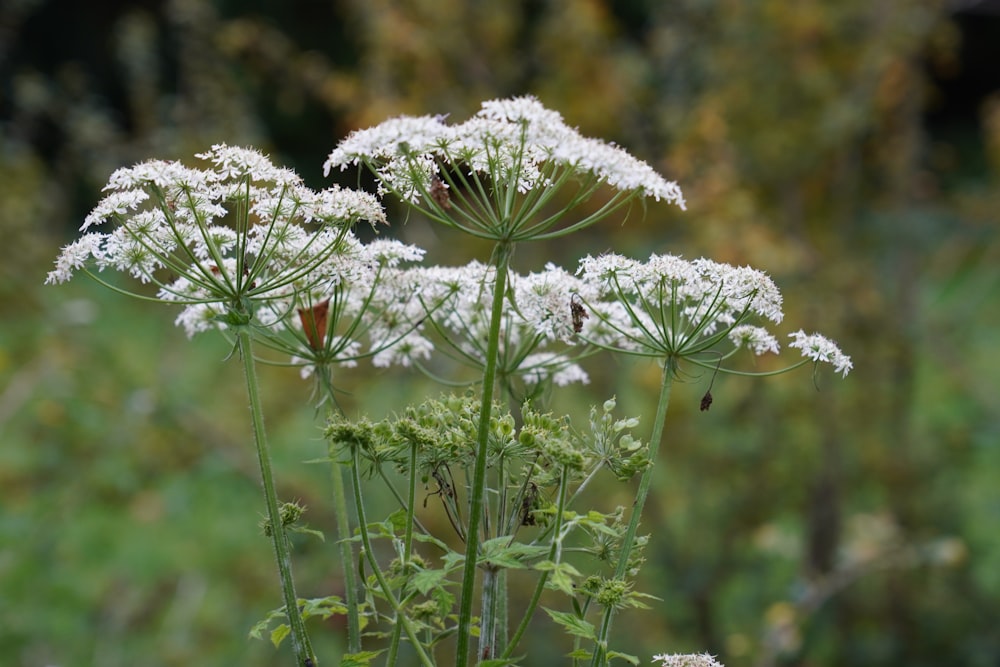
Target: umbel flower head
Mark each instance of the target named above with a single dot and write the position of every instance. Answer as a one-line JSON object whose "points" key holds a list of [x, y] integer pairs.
{"points": [[699, 310], [686, 660], [367, 296], [536, 323], [220, 239], [495, 174]]}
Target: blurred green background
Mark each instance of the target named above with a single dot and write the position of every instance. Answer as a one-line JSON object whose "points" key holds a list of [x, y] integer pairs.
{"points": [[850, 148]]}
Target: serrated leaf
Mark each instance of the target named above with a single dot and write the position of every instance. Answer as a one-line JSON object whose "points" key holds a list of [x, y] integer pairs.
{"points": [[323, 607], [420, 537], [574, 625], [560, 581], [397, 520], [624, 656], [279, 634], [501, 553], [426, 580], [561, 575], [359, 659], [257, 631], [444, 599], [603, 528]]}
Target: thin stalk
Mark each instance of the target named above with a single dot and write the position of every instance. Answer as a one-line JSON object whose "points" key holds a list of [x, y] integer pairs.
{"points": [[346, 558], [304, 655], [669, 368], [397, 632], [554, 553], [393, 653], [502, 255], [397, 608], [343, 519]]}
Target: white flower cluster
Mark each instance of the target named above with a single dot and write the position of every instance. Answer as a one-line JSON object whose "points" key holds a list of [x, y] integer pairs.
{"points": [[538, 315], [687, 660], [236, 229], [669, 305], [365, 295], [248, 235], [666, 306], [820, 348], [515, 141]]}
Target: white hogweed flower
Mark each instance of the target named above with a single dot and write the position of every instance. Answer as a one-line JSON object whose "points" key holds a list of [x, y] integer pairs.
{"points": [[239, 232], [539, 316], [545, 301], [820, 348], [687, 660], [541, 366], [672, 307], [488, 174], [756, 339], [364, 294]]}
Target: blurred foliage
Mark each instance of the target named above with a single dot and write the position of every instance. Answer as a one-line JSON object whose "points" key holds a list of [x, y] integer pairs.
{"points": [[815, 140]]}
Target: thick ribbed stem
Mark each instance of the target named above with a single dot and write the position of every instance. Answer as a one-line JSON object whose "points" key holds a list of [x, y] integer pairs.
{"points": [[304, 656], [344, 534], [476, 500]]}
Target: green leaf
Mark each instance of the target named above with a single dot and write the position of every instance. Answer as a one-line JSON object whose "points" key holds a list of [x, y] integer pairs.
{"points": [[397, 520], [574, 625], [308, 531], [430, 539], [561, 577], [257, 631], [323, 607], [500, 662], [359, 659], [426, 580], [499, 553], [624, 656], [279, 633], [634, 599]]}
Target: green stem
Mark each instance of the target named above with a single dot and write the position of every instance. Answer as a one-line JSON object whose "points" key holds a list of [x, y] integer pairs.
{"points": [[487, 616], [407, 545], [304, 656], [397, 608], [554, 555], [346, 558], [343, 519], [502, 613], [502, 255], [669, 367]]}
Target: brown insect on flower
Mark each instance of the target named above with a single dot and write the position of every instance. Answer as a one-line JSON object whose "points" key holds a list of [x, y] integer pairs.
{"points": [[313, 321], [578, 312], [706, 401], [439, 192]]}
